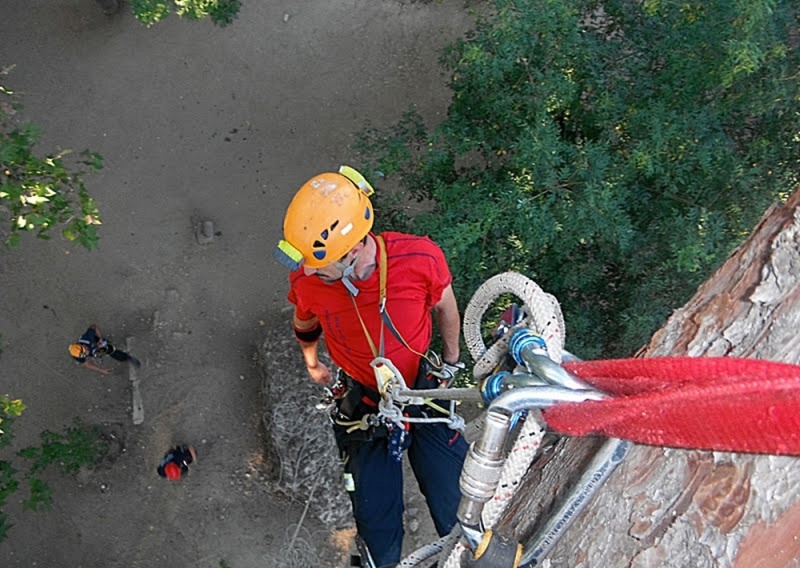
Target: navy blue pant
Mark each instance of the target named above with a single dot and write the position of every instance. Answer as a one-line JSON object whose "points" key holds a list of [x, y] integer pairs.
{"points": [[113, 352], [436, 454]]}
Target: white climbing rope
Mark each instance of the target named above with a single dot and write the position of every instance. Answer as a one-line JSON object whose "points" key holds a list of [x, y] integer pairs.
{"points": [[422, 554], [542, 315], [454, 560], [526, 446]]}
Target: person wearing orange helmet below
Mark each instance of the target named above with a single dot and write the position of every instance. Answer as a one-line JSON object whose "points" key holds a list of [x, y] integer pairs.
{"points": [[345, 281], [92, 345]]}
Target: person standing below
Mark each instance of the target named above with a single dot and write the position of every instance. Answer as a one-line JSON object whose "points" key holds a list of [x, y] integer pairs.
{"points": [[341, 272], [92, 344]]}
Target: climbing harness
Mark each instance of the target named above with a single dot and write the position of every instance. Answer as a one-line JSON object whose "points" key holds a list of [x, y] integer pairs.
{"points": [[396, 405]]}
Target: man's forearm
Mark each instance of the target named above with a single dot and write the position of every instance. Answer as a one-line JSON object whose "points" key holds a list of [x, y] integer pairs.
{"points": [[318, 372], [310, 352], [448, 321], [449, 328], [93, 367], [307, 332]]}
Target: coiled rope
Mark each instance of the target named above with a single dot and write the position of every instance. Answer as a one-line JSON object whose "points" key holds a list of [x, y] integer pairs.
{"points": [[542, 314]]}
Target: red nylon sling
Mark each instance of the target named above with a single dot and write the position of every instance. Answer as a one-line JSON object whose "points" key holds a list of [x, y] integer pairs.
{"points": [[725, 404]]}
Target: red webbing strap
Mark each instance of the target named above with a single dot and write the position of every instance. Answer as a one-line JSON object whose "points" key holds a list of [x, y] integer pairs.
{"points": [[725, 404]]}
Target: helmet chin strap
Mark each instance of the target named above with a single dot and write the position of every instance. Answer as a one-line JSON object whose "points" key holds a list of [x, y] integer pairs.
{"points": [[347, 273]]}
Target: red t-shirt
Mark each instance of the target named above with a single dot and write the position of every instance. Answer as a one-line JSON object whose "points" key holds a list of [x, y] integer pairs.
{"points": [[416, 278]]}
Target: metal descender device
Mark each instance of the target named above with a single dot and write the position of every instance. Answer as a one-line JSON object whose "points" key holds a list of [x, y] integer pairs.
{"points": [[536, 383]]}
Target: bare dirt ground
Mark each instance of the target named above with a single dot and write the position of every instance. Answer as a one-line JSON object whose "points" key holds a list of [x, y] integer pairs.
{"points": [[194, 122]]}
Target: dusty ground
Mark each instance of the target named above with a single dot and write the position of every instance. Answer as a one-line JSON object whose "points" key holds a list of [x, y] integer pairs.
{"points": [[195, 122]]}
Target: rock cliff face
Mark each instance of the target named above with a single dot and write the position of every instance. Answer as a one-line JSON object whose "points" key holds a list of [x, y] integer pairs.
{"points": [[300, 444]]}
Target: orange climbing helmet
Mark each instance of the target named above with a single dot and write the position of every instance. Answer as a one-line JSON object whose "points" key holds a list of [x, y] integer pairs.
{"points": [[327, 217], [78, 350]]}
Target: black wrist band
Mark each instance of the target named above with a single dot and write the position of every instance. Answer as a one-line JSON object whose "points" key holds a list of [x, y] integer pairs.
{"points": [[308, 335]]}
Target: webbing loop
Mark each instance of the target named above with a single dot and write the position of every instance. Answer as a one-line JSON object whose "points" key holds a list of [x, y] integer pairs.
{"points": [[705, 403]]}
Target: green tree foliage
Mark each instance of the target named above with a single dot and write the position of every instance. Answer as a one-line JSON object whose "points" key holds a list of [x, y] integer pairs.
{"points": [[9, 411], [221, 12], [615, 152], [77, 446], [40, 193]]}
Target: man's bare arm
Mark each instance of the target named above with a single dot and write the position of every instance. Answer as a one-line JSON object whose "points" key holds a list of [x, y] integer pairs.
{"points": [[89, 364], [449, 322], [319, 373]]}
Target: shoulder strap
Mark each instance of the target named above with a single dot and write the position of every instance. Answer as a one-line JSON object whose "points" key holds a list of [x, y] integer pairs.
{"points": [[384, 268], [385, 319]]}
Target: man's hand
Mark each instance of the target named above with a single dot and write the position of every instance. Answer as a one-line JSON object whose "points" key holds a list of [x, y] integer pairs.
{"points": [[320, 374], [98, 368], [454, 368], [448, 373]]}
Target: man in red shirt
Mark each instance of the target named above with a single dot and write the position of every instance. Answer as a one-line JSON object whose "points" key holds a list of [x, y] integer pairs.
{"points": [[336, 288]]}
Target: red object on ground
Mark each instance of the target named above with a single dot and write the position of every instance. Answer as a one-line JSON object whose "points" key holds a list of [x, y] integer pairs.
{"points": [[724, 403], [172, 471]]}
